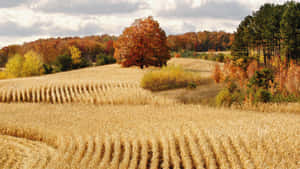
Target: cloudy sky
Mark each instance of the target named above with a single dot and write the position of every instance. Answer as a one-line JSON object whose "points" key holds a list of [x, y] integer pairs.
{"points": [[27, 20]]}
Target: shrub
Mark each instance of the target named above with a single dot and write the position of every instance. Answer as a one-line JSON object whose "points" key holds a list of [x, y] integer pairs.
{"points": [[177, 55], [217, 74], [252, 68], [226, 97], [187, 54], [169, 78], [230, 94], [103, 59], [278, 97], [14, 66], [63, 63], [262, 95], [84, 63], [203, 56], [292, 83], [192, 85], [220, 57], [48, 69], [261, 79]]}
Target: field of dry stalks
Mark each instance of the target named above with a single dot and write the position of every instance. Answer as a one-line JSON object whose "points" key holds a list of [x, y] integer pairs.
{"points": [[101, 85], [99, 118], [122, 136]]}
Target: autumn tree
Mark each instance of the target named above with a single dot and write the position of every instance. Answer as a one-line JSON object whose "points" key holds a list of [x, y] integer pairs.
{"points": [[63, 63], [142, 44], [14, 66], [50, 49], [33, 65], [75, 54]]}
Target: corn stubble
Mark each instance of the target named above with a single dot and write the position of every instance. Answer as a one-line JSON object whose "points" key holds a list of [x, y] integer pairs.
{"points": [[95, 92], [62, 121], [140, 137]]}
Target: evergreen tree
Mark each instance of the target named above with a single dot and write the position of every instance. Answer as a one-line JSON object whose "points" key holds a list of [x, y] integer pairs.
{"points": [[290, 30], [273, 30]]}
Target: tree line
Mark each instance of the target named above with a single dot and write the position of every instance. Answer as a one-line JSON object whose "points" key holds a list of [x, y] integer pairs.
{"points": [[271, 33], [201, 41], [50, 49], [91, 46]]}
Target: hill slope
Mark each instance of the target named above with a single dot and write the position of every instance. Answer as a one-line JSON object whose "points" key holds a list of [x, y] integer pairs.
{"points": [[109, 84], [133, 128], [85, 136]]}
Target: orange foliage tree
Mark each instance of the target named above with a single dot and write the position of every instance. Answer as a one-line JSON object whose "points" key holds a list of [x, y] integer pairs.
{"points": [[217, 74], [142, 44]]}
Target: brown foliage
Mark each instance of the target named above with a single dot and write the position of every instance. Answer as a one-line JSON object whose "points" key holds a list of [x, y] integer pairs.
{"points": [[287, 77], [217, 74], [49, 49], [201, 41], [293, 79], [235, 73], [281, 76], [177, 55], [143, 43], [252, 68]]}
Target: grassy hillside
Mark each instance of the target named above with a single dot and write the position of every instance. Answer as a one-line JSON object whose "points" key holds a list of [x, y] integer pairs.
{"points": [[101, 118]]}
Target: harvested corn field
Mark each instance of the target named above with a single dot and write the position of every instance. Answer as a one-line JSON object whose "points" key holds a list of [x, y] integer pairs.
{"points": [[99, 85], [181, 136], [95, 92], [106, 121]]}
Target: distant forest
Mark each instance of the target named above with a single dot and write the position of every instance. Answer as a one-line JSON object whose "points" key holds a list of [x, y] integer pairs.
{"points": [[91, 46], [201, 41], [49, 49]]}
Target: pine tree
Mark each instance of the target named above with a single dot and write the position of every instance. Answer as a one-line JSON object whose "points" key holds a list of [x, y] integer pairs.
{"points": [[290, 30]]}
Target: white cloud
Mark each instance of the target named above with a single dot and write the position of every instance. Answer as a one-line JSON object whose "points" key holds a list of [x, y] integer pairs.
{"points": [[12, 3], [87, 6], [26, 20]]}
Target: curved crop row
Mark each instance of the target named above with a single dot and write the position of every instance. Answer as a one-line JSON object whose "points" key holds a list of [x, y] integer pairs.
{"points": [[86, 92], [22, 153], [191, 149]]}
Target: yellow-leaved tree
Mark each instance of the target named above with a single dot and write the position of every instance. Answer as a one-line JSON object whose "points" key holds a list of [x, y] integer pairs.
{"points": [[3, 75], [33, 65], [14, 66], [76, 54]]}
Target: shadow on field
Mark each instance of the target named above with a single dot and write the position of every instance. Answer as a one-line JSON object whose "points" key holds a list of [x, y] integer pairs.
{"points": [[203, 94]]}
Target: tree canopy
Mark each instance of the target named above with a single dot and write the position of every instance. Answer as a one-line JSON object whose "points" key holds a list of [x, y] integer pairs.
{"points": [[14, 66], [272, 32], [32, 66], [50, 49], [201, 41], [142, 44]]}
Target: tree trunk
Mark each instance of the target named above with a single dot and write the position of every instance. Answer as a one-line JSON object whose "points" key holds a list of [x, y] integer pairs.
{"points": [[265, 57]]}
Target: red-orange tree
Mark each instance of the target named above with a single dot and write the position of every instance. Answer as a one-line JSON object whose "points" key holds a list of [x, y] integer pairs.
{"points": [[142, 44]]}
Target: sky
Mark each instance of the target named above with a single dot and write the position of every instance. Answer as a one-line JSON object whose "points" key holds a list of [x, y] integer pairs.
{"points": [[27, 20]]}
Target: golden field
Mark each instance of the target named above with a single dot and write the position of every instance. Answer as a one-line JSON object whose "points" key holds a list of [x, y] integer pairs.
{"points": [[100, 118]]}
